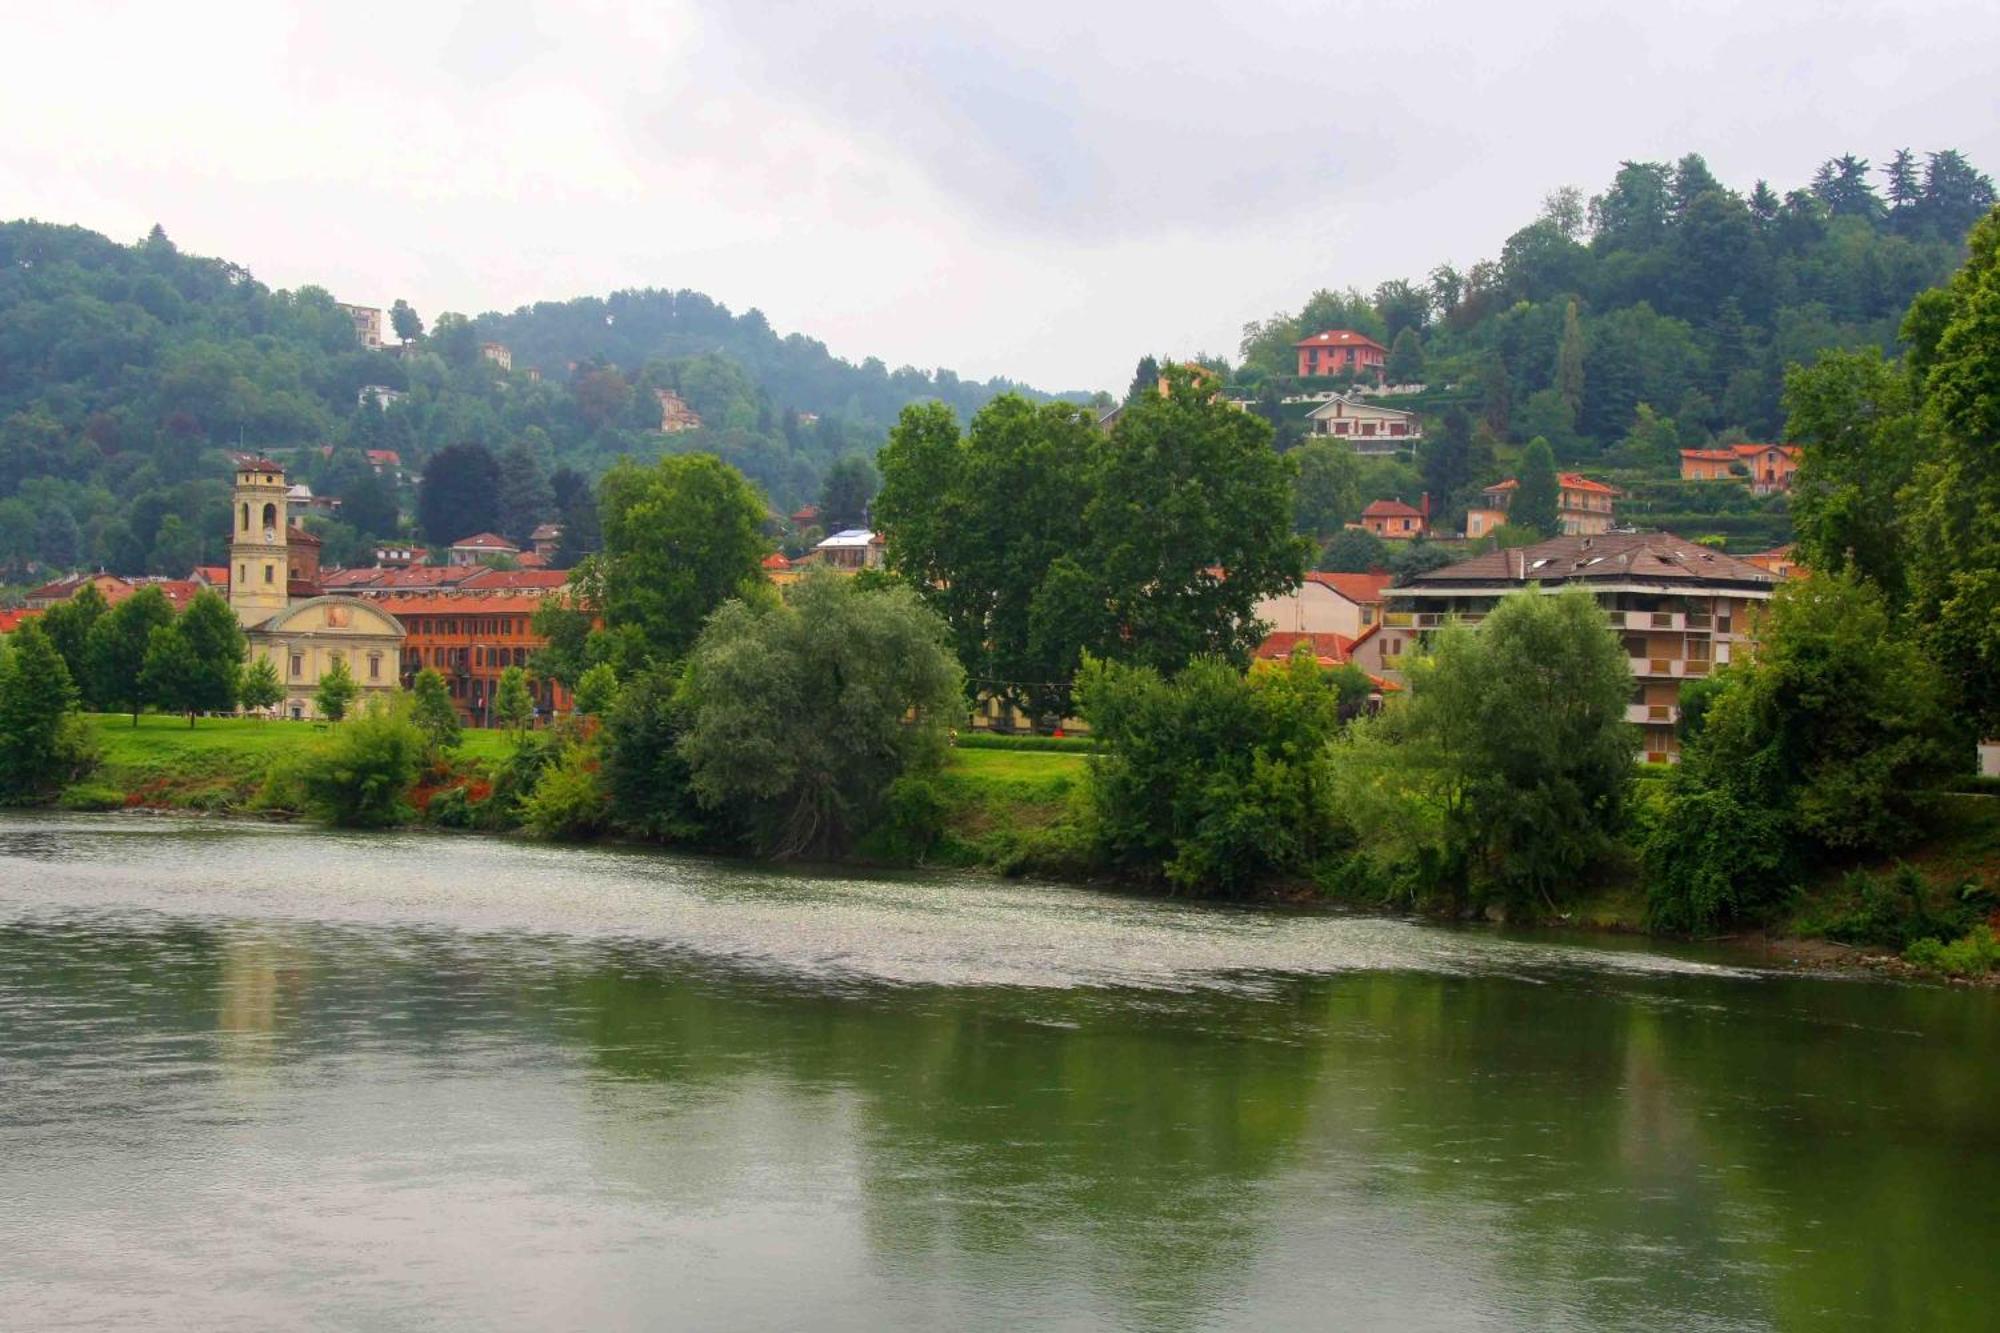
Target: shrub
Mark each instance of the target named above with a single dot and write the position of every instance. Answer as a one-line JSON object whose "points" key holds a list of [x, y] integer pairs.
{"points": [[568, 801], [283, 790], [1973, 954], [362, 777], [913, 817]]}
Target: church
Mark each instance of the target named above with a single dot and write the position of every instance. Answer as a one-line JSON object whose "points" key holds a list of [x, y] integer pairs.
{"points": [[275, 591]]}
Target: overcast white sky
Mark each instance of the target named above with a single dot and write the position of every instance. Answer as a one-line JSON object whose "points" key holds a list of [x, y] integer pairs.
{"points": [[1040, 190]]}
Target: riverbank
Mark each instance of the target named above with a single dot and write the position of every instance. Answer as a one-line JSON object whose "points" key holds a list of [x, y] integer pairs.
{"points": [[1014, 810]]}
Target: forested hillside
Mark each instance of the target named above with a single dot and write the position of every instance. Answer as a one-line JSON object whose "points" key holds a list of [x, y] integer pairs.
{"points": [[125, 369], [1660, 313]]}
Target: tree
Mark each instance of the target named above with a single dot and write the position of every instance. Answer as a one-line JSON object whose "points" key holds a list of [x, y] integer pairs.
{"points": [[195, 664], [1854, 414], [1145, 379], [1537, 499], [68, 625], [513, 706], [978, 523], [850, 485], [460, 494], [1504, 767], [403, 319], [525, 497], [1213, 779], [1405, 363], [1569, 361], [1189, 528], [116, 650], [433, 712], [261, 688], [597, 690], [1827, 742], [1496, 394], [38, 747], [1326, 493], [1354, 551], [336, 691], [362, 777], [870, 690], [369, 506], [680, 538]]}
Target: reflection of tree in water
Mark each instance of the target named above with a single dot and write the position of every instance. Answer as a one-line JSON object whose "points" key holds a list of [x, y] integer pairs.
{"points": [[1009, 1137]]}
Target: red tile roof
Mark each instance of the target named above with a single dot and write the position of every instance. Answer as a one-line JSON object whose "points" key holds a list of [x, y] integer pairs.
{"points": [[384, 457], [1327, 649], [484, 541], [459, 603], [1340, 338], [486, 580], [1360, 588], [1576, 481], [1390, 509], [14, 617], [214, 575], [776, 560]]}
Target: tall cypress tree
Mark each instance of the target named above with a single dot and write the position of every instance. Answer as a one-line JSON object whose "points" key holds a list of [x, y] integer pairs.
{"points": [[1538, 497]]}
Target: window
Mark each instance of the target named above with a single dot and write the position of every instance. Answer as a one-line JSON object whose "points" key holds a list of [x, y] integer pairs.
{"points": [[243, 573], [374, 666], [246, 517], [298, 666], [270, 574]]}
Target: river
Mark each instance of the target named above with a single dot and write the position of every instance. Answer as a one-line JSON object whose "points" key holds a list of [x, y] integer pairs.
{"points": [[258, 1076]]}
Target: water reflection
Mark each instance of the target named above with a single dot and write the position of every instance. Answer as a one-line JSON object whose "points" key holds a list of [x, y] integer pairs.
{"points": [[223, 1118]]}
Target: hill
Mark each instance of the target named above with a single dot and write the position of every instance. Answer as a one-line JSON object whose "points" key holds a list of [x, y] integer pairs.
{"points": [[126, 369]]}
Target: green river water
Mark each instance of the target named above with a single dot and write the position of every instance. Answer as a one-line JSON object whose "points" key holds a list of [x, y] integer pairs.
{"points": [[264, 1077]]}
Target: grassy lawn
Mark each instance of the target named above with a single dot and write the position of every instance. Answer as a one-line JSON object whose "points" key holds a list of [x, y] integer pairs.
{"points": [[159, 738], [1044, 771]]}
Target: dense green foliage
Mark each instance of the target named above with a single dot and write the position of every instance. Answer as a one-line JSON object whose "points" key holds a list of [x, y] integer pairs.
{"points": [[362, 777], [1214, 779], [802, 714], [1826, 744], [336, 692], [1039, 540], [433, 712], [40, 748], [1503, 770]]}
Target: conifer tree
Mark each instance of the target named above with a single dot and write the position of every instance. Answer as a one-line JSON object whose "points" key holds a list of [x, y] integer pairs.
{"points": [[336, 691], [1538, 496], [260, 687], [433, 711], [1569, 361], [512, 704]]}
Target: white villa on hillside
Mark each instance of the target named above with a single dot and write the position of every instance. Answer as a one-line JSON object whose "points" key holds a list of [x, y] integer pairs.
{"points": [[1371, 428]]}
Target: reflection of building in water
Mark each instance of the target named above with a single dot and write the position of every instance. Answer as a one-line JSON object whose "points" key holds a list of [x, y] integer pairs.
{"points": [[259, 984]]}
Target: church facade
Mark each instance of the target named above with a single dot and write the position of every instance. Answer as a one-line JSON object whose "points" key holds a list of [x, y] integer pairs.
{"points": [[274, 590]]}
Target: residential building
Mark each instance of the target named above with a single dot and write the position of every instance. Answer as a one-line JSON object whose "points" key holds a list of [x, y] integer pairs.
{"points": [[13, 617], [1370, 428], [546, 540], [300, 501], [469, 637], [1583, 507], [675, 413], [481, 546], [1392, 520], [498, 354], [1341, 352], [113, 589], [1778, 560], [1682, 610], [367, 324], [274, 590], [401, 557], [1325, 603], [1328, 649], [211, 576], [1766, 468], [850, 550]]}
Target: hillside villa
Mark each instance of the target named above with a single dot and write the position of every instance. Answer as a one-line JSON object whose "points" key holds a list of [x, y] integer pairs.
{"points": [[1394, 521], [1583, 506], [1341, 352], [1768, 468], [1682, 611], [1370, 428]]}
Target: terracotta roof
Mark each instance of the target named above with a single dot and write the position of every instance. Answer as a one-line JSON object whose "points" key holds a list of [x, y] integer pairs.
{"points": [[1710, 455], [545, 532], [258, 464], [1340, 338], [1390, 509], [422, 576], [532, 560], [484, 541], [776, 560], [487, 579], [1365, 588], [217, 575], [1328, 649], [1568, 481], [14, 617], [1619, 557], [459, 603], [387, 457], [349, 578], [298, 536], [1751, 450], [179, 592]]}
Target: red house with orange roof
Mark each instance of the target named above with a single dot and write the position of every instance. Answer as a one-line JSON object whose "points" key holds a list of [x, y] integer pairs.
{"points": [[1766, 467], [1341, 352], [1392, 520]]}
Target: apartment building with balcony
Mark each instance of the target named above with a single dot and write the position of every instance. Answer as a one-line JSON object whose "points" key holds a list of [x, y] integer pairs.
{"points": [[1681, 610]]}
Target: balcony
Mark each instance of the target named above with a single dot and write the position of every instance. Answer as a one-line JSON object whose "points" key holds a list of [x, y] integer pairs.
{"points": [[1656, 715], [1649, 620], [1662, 668]]}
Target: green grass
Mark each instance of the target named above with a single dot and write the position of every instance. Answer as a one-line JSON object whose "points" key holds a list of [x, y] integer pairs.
{"points": [[1045, 771]]}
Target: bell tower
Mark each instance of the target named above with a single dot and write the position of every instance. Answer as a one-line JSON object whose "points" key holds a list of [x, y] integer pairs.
{"points": [[257, 566]]}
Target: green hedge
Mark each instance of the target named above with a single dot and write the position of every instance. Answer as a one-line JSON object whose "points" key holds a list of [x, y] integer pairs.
{"points": [[992, 740]]}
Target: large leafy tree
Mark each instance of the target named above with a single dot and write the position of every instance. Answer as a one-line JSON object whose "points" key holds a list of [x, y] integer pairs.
{"points": [[1504, 767], [116, 650], [803, 713], [977, 522], [1326, 493], [68, 625], [37, 704], [681, 537], [846, 493], [1853, 411], [1189, 528], [525, 496], [195, 664], [460, 494]]}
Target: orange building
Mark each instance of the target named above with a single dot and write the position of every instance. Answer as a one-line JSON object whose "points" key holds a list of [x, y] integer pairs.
{"points": [[470, 638], [1767, 467], [1341, 352], [1392, 520]]}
